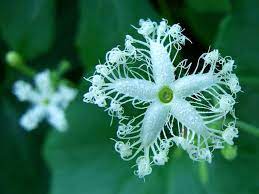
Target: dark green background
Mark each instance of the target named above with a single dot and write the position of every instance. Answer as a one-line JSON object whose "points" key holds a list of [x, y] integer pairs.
{"points": [[82, 160]]}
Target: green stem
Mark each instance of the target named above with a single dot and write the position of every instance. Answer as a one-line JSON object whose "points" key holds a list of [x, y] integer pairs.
{"points": [[248, 128], [15, 61], [64, 66], [203, 172]]}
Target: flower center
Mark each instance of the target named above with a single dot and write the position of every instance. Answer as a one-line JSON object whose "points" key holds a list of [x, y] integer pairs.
{"points": [[165, 94], [45, 101]]}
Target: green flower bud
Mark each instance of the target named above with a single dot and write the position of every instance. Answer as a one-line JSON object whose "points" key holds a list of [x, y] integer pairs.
{"points": [[229, 152], [13, 58]]}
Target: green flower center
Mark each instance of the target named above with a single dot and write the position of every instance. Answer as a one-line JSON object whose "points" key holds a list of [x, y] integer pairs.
{"points": [[165, 94], [45, 101]]}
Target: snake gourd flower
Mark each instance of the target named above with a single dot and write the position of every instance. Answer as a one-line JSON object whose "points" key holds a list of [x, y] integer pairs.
{"points": [[176, 104], [47, 102]]}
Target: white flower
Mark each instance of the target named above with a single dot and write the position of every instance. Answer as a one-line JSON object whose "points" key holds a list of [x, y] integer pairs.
{"points": [[175, 103], [47, 102]]}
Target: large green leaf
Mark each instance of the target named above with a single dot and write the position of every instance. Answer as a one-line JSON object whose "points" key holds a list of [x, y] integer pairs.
{"points": [[209, 6], [238, 36], [203, 18], [27, 25], [21, 165], [103, 25]]}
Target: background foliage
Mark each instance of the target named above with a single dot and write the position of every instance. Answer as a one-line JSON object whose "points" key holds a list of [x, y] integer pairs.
{"points": [[82, 160]]}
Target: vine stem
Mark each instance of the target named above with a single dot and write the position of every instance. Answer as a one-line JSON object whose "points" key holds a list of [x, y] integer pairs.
{"points": [[248, 128]]}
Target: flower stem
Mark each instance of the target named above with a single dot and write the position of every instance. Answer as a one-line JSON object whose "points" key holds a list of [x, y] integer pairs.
{"points": [[15, 60], [248, 128], [203, 172]]}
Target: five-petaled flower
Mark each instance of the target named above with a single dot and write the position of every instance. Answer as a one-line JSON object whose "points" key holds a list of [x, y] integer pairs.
{"points": [[177, 103], [47, 101]]}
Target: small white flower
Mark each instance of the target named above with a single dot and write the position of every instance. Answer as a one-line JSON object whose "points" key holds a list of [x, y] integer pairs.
{"points": [[47, 102], [175, 103]]}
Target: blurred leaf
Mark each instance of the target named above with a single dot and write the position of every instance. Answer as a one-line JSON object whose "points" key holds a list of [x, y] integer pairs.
{"points": [[203, 25], [83, 160], [27, 25], [103, 25], [204, 17], [209, 5], [238, 36], [21, 165], [248, 128], [247, 106], [239, 176]]}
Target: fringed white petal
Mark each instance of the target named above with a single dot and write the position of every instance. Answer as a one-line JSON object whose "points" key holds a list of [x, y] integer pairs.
{"points": [[191, 84], [187, 115], [163, 70], [155, 118], [137, 88]]}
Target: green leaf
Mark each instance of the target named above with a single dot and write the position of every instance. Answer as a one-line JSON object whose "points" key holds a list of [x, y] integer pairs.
{"points": [[27, 26], [22, 167], [239, 176], [238, 36], [248, 128], [203, 17], [209, 6], [203, 25], [104, 24]]}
